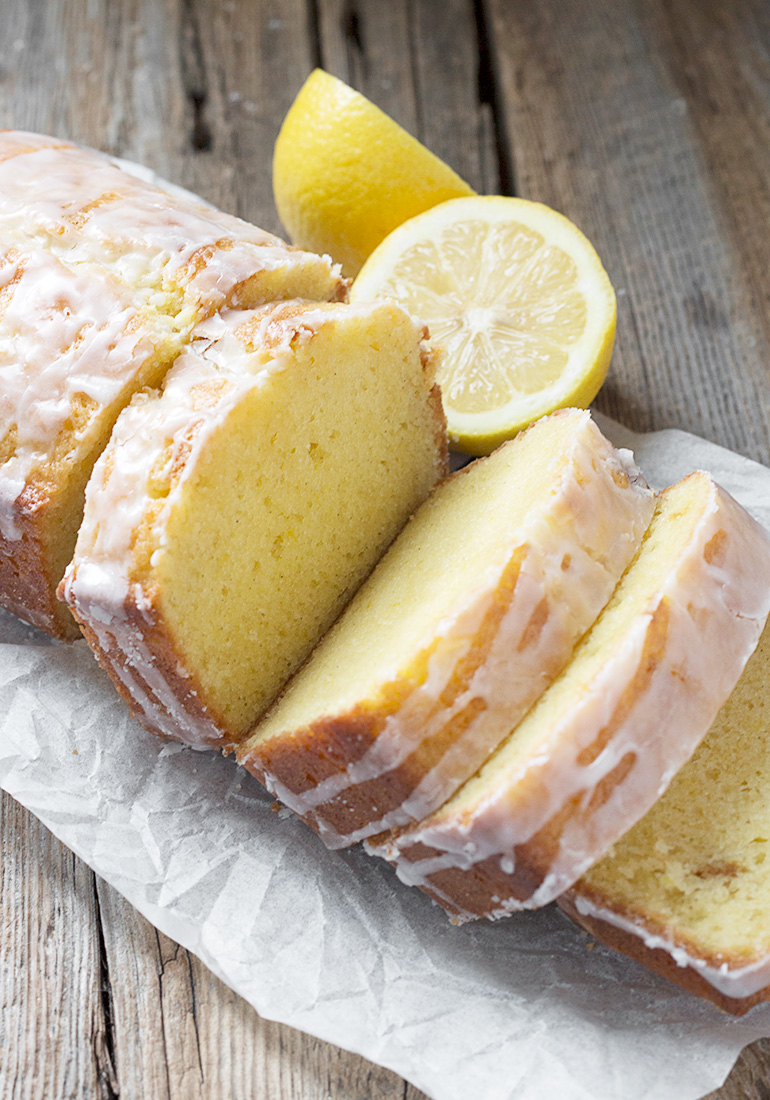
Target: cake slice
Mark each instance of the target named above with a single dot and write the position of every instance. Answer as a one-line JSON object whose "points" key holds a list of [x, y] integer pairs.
{"points": [[102, 278], [687, 890], [473, 611], [604, 741], [235, 512]]}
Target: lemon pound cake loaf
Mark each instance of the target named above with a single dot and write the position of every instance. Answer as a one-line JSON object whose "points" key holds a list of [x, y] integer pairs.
{"points": [[687, 890], [234, 513], [102, 278], [604, 741], [474, 610]]}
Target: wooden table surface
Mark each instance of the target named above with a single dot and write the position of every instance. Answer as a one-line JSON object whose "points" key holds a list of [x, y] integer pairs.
{"points": [[645, 121]]}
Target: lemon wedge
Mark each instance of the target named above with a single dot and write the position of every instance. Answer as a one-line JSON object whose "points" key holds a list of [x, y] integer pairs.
{"points": [[518, 301], [345, 175]]}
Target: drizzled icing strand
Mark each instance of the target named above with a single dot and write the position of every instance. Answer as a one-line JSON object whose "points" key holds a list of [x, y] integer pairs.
{"points": [[64, 335]]}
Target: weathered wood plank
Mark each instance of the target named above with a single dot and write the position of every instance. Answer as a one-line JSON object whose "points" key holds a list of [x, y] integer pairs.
{"points": [[181, 1034], [94, 1002], [53, 1036], [196, 91], [598, 128], [750, 1076]]}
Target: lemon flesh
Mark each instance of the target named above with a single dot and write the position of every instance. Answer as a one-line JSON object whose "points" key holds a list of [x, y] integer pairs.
{"points": [[518, 302], [345, 175]]}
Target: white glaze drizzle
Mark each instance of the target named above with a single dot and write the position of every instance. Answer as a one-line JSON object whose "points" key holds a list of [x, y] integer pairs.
{"points": [[738, 982], [63, 333], [716, 616], [591, 519], [85, 208]]}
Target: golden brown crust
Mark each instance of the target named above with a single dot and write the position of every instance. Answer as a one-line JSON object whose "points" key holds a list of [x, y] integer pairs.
{"points": [[440, 434], [28, 575], [659, 960], [307, 757], [481, 889], [148, 624]]}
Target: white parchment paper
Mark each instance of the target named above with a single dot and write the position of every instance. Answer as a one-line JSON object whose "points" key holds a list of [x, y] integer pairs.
{"points": [[331, 942]]}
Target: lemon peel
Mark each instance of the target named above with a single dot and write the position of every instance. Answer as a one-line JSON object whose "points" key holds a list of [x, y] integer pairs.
{"points": [[345, 174]]}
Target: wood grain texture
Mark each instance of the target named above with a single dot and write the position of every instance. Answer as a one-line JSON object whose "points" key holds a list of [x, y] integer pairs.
{"points": [[52, 1027], [646, 121]]}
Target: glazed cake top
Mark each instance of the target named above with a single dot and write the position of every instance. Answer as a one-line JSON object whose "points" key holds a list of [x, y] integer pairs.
{"points": [[70, 340], [84, 208]]}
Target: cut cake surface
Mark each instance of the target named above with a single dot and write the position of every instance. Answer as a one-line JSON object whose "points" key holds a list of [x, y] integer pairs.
{"points": [[235, 512], [473, 611], [605, 740]]}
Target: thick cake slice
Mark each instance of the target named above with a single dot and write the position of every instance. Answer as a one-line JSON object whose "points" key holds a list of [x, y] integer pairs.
{"points": [[102, 278], [75, 345], [188, 259], [473, 611], [687, 890], [605, 740], [234, 513]]}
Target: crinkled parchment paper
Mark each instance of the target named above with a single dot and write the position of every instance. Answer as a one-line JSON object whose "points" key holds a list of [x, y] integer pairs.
{"points": [[331, 942]]}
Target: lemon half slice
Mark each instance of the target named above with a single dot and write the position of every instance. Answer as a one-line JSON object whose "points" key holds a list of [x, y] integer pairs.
{"points": [[519, 302], [345, 174]]}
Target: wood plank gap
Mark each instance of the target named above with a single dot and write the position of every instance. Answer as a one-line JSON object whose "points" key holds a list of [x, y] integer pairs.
{"points": [[354, 40], [491, 98], [161, 972], [414, 69], [314, 34], [193, 70], [194, 1007], [106, 1055]]}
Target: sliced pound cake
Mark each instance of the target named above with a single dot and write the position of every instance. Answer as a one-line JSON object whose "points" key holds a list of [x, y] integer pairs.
{"points": [[474, 610], [102, 278], [687, 890], [604, 741], [234, 513]]}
